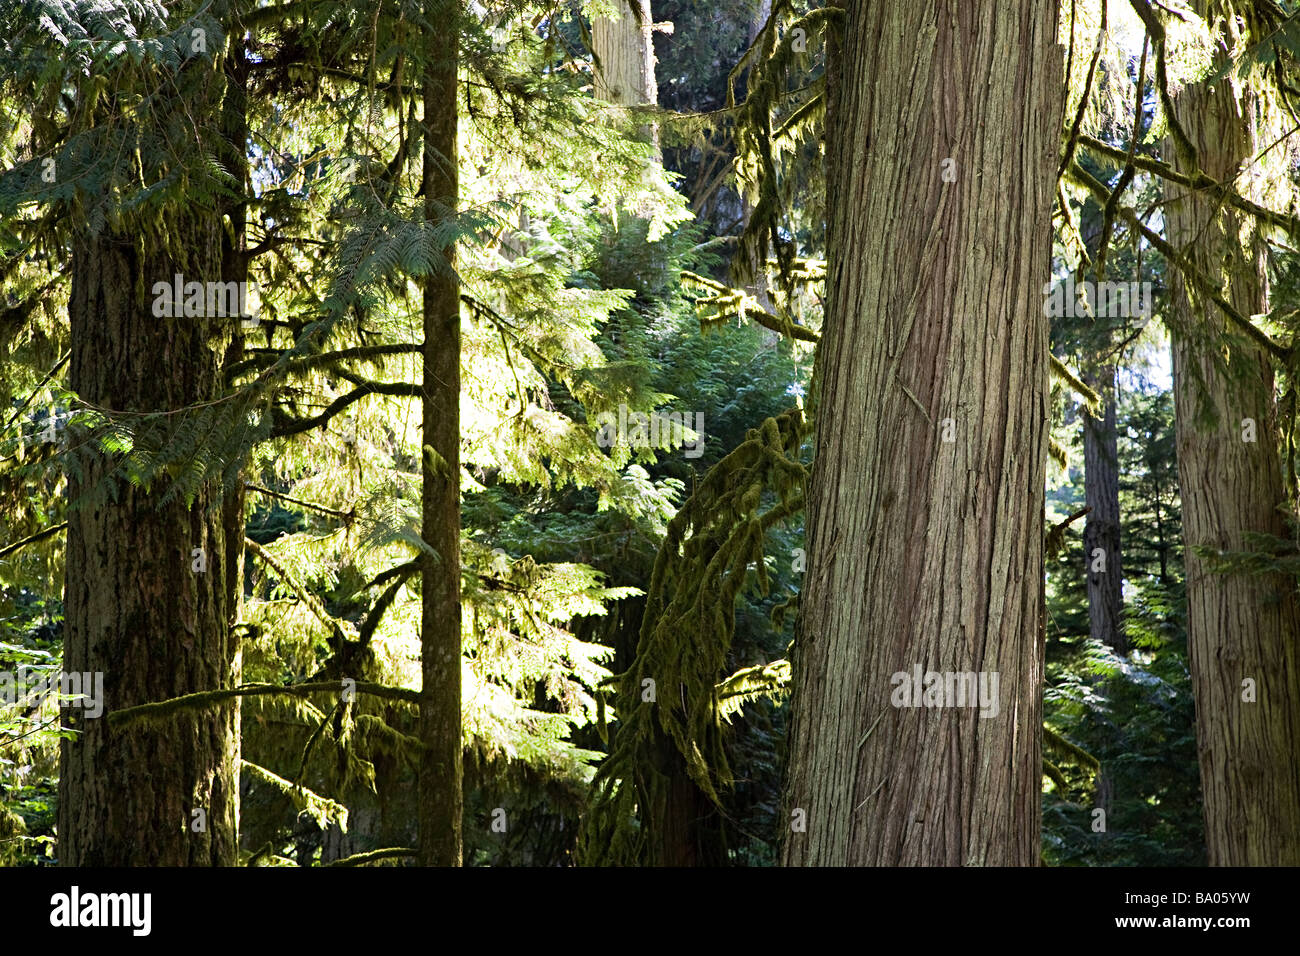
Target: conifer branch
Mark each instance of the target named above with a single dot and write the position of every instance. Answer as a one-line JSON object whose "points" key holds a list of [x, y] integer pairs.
{"points": [[1186, 151], [345, 515], [262, 358], [729, 302], [287, 425], [1089, 396], [39, 385], [1200, 282], [157, 710], [304, 595], [360, 859], [32, 539], [1067, 156], [401, 570], [1218, 190]]}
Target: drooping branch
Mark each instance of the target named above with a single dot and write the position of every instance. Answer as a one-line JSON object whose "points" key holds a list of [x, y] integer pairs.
{"points": [[1186, 151], [713, 545], [1126, 176], [1194, 276], [389, 853], [1054, 539], [322, 809], [261, 358], [304, 595], [1067, 155], [728, 302], [1090, 397], [39, 385], [1222, 191], [345, 515], [402, 570], [347, 655]]}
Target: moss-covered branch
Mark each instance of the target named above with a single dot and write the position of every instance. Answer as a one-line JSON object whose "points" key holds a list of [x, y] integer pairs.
{"points": [[157, 710], [1222, 191], [713, 548], [1090, 397], [371, 856], [49, 532], [322, 810], [728, 302], [1201, 283]]}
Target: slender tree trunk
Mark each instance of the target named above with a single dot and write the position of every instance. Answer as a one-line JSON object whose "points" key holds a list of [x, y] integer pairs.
{"points": [[1101, 535], [234, 263], [925, 506], [1241, 627], [441, 801], [757, 287]]}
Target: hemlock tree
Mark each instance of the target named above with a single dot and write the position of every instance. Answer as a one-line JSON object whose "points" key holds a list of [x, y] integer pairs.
{"points": [[925, 505], [679, 824], [441, 772], [1242, 627], [1101, 535]]}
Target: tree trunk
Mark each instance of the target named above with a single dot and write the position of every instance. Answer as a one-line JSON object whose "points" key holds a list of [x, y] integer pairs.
{"points": [[135, 608], [625, 52], [1239, 626], [925, 506], [152, 590], [1101, 535], [441, 801]]}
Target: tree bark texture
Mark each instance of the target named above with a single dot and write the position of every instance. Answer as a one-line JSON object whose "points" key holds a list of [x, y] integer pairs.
{"points": [[925, 505]]}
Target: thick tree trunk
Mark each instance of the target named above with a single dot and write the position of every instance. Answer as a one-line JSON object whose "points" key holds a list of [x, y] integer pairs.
{"points": [[1240, 627], [626, 74], [135, 608], [925, 506], [441, 799], [1101, 535], [152, 590], [626, 55]]}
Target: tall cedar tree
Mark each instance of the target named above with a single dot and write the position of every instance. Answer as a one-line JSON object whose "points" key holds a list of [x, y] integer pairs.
{"points": [[926, 552], [1240, 626]]}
